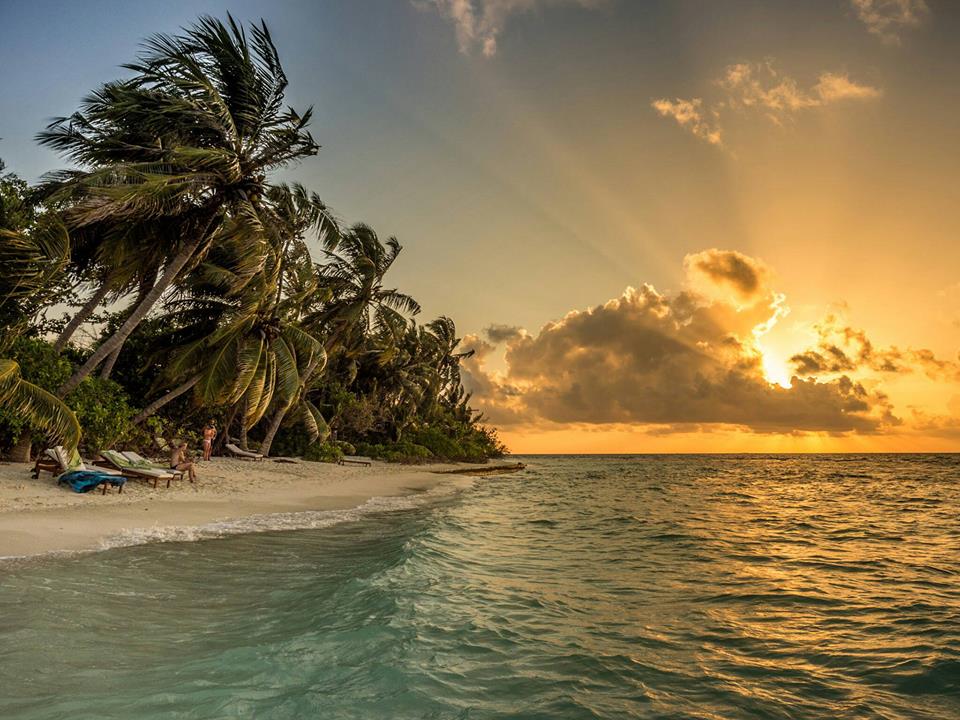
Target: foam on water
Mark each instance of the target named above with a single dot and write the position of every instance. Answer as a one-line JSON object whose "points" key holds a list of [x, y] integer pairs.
{"points": [[276, 522]]}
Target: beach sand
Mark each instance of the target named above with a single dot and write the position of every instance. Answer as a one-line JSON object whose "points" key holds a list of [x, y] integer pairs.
{"points": [[38, 516]]}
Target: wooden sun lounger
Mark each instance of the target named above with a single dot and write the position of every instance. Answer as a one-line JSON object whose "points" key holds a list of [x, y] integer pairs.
{"points": [[141, 462], [54, 461], [354, 460], [128, 469], [243, 454], [47, 462]]}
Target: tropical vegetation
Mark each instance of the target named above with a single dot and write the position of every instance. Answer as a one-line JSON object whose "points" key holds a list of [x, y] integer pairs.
{"points": [[165, 280]]}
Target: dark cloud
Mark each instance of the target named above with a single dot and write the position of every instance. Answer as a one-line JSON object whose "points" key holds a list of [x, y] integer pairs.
{"points": [[673, 362], [844, 349], [503, 333], [745, 276]]}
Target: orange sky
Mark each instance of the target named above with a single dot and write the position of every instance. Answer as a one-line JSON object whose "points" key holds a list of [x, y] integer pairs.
{"points": [[668, 225], [816, 183]]}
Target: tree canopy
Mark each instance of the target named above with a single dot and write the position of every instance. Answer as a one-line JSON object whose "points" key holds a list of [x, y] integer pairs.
{"points": [[209, 290]]}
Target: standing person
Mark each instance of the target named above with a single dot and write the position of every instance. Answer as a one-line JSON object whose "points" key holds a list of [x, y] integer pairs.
{"points": [[209, 434], [180, 461]]}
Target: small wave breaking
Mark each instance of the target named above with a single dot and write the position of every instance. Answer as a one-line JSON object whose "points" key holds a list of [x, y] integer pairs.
{"points": [[277, 522]]}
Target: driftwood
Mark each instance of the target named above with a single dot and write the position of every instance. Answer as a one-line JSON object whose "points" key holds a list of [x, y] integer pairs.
{"points": [[492, 470]]}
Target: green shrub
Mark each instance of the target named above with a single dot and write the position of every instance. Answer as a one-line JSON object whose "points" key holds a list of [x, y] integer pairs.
{"points": [[439, 444], [323, 452], [345, 447], [402, 452], [290, 441], [142, 437], [103, 411], [41, 365], [354, 417], [448, 440]]}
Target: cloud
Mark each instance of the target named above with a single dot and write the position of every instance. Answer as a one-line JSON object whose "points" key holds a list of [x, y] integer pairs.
{"points": [[831, 88], [938, 425], [498, 334], [841, 348], [672, 363], [760, 86], [728, 270], [760, 89], [689, 114], [887, 18], [479, 23], [498, 399]]}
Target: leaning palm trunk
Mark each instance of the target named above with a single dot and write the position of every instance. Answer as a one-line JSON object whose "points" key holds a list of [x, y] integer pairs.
{"points": [[224, 437], [243, 424], [107, 367], [282, 411], [274, 426], [145, 285], [161, 401], [115, 341], [81, 317]]}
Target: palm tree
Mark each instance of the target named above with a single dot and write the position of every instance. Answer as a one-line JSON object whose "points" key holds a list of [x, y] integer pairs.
{"points": [[354, 276], [355, 273], [299, 289], [440, 337], [31, 259], [249, 347], [188, 140], [117, 259]]}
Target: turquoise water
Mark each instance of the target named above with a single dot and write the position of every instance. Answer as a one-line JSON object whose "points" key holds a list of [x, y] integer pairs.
{"points": [[634, 587]]}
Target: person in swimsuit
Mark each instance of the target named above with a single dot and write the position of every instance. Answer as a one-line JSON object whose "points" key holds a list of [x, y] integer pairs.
{"points": [[209, 433], [180, 461]]}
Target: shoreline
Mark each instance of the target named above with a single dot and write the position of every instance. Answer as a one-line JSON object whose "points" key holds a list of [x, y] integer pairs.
{"points": [[231, 497]]}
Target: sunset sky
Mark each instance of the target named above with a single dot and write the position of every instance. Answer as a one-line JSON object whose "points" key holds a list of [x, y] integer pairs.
{"points": [[673, 225]]}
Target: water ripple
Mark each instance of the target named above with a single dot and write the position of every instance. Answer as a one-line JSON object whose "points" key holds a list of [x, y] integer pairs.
{"points": [[647, 587]]}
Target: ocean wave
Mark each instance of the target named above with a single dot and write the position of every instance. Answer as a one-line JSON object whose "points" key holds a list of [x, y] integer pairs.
{"points": [[276, 522]]}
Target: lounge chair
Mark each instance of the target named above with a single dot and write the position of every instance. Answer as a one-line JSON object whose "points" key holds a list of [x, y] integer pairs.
{"points": [[132, 470], [141, 462], [243, 454], [57, 461], [47, 461], [70, 469], [354, 460]]}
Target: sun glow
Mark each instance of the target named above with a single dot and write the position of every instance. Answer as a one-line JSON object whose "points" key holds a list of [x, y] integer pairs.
{"points": [[775, 368]]}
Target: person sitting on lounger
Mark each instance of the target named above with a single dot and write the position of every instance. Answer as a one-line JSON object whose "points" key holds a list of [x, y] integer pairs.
{"points": [[209, 434], [180, 461]]}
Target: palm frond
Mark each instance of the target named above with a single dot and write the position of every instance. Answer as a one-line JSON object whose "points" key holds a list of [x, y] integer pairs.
{"points": [[40, 408], [313, 420]]}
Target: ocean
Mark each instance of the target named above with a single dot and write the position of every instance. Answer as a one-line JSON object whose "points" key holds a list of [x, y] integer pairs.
{"points": [[717, 587]]}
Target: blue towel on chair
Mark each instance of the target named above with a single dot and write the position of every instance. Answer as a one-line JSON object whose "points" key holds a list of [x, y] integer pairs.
{"points": [[86, 480]]}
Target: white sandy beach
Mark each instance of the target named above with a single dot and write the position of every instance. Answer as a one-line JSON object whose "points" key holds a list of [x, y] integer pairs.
{"points": [[38, 516]]}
